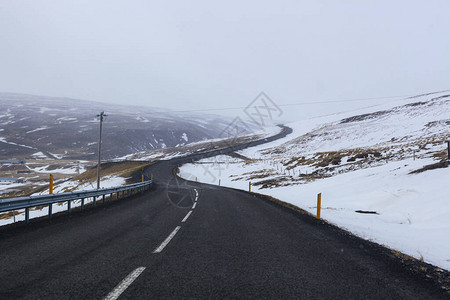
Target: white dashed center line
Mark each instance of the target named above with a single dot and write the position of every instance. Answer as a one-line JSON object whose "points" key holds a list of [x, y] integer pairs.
{"points": [[170, 237], [167, 240], [196, 195], [122, 286], [187, 216]]}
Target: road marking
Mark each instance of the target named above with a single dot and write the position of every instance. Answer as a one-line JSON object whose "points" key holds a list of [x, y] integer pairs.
{"points": [[196, 195], [187, 216], [195, 204], [122, 286], [167, 240]]}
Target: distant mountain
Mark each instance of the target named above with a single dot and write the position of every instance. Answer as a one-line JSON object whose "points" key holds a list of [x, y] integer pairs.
{"points": [[45, 127]]}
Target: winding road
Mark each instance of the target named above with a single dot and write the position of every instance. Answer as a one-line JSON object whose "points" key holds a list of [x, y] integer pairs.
{"points": [[193, 240]]}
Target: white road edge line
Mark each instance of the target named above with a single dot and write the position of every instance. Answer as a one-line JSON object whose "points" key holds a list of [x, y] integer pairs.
{"points": [[167, 240], [122, 286], [195, 204], [187, 216]]}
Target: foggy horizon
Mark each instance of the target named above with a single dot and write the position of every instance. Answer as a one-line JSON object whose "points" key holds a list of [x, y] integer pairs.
{"points": [[207, 56]]}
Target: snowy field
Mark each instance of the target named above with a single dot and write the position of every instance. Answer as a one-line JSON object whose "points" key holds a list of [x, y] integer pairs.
{"points": [[410, 212], [413, 214]]}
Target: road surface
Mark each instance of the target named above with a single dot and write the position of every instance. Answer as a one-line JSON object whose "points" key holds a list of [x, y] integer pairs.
{"points": [[193, 240]]}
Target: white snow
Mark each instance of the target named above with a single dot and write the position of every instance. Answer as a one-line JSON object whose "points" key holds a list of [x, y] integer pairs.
{"points": [[142, 119], [184, 137], [2, 139], [38, 129], [9, 185], [45, 170], [46, 109], [58, 156], [66, 119], [39, 155], [413, 212]]}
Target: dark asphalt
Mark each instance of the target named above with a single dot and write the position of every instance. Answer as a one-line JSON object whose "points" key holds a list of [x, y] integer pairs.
{"points": [[233, 245]]}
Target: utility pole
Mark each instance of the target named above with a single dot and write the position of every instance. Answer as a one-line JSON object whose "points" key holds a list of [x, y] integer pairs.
{"points": [[101, 116]]}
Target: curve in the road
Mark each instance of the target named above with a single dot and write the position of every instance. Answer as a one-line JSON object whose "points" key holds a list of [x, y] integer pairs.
{"points": [[214, 243]]}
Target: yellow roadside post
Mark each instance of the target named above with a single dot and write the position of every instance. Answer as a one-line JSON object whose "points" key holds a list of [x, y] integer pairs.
{"points": [[319, 200], [142, 173], [50, 188], [249, 187], [219, 182], [151, 177]]}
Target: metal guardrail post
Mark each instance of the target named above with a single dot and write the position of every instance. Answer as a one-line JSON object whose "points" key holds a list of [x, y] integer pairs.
{"points": [[95, 200], [50, 207], [82, 203], [27, 215], [103, 199], [68, 206]]}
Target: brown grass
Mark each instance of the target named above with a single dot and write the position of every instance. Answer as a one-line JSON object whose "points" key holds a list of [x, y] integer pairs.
{"points": [[128, 169], [438, 165]]}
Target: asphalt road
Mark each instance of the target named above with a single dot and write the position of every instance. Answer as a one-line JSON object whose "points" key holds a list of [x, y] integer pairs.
{"points": [[193, 240]]}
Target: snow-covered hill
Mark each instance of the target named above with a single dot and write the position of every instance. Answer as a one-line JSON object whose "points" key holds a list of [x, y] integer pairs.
{"points": [[44, 127], [382, 173]]}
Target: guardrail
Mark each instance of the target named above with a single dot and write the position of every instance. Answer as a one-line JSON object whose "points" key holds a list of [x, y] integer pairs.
{"points": [[33, 201]]}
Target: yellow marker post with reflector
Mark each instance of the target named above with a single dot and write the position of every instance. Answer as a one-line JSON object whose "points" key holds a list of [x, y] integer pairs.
{"points": [[319, 200], [50, 187]]}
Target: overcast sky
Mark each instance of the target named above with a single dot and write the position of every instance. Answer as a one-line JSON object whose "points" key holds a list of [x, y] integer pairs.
{"points": [[210, 54]]}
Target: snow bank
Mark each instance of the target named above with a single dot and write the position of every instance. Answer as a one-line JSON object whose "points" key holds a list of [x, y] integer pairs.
{"points": [[410, 212]]}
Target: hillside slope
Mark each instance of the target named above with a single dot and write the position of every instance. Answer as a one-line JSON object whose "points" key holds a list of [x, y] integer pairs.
{"points": [[44, 127], [383, 174]]}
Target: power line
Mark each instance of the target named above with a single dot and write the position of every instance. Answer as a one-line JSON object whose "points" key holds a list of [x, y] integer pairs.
{"points": [[296, 104]]}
